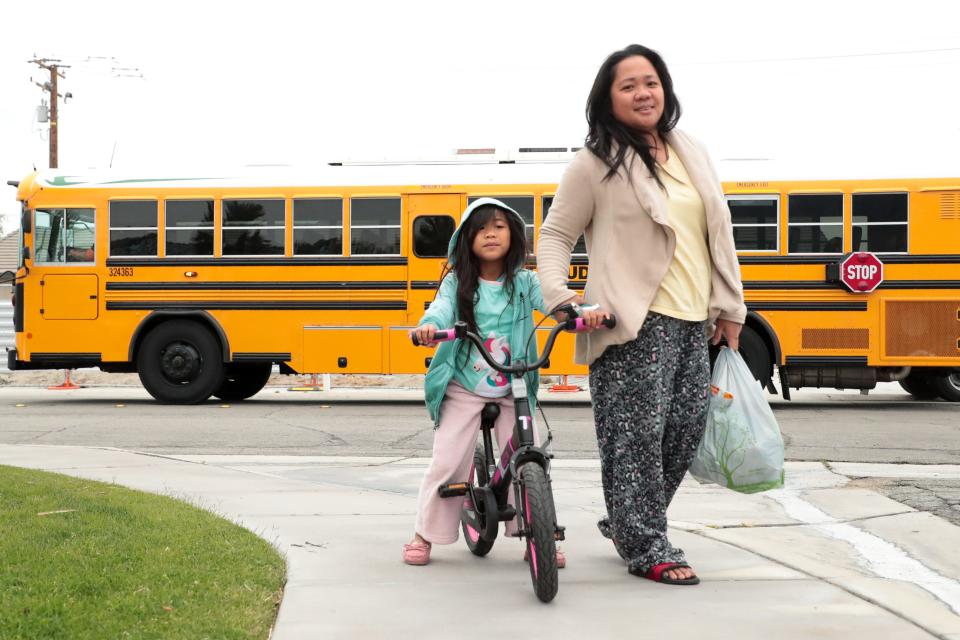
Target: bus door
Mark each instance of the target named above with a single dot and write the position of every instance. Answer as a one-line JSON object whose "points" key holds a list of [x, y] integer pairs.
{"points": [[64, 255], [432, 220]]}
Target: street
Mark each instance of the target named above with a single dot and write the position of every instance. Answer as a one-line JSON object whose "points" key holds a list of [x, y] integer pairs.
{"points": [[887, 426]]}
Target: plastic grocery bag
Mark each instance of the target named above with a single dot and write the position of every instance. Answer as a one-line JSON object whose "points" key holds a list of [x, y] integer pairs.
{"points": [[742, 448]]}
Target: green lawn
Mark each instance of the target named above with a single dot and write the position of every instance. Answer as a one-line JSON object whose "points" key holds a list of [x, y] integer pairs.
{"points": [[117, 563]]}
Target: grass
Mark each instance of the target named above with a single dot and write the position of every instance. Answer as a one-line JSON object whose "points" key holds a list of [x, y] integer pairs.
{"points": [[117, 563]]}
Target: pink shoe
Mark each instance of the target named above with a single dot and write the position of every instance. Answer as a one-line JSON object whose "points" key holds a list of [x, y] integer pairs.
{"points": [[416, 553], [561, 558]]}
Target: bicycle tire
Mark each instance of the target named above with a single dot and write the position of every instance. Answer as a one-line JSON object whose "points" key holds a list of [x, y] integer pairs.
{"points": [[477, 545], [540, 523]]}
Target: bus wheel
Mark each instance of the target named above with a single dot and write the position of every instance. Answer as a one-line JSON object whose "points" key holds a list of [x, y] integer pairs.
{"points": [[243, 380], [920, 386], [947, 385], [756, 355], [179, 362]]}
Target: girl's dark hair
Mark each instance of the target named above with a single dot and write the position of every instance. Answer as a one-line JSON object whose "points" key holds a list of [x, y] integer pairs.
{"points": [[465, 265], [605, 130]]}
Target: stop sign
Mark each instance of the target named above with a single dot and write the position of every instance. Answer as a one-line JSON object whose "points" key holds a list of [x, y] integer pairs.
{"points": [[861, 272]]}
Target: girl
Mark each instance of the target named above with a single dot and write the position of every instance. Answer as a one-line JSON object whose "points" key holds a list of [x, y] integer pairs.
{"points": [[486, 286]]}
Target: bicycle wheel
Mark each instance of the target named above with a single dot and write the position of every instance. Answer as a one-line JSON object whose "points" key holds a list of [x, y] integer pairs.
{"points": [[540, 522], [476, 513]]}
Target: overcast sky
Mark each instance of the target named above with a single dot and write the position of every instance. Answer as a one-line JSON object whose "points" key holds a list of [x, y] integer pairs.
{"points": [[846, 86]]}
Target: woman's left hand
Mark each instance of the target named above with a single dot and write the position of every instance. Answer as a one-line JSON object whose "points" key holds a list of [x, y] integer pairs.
{"points": [[729, 330]]}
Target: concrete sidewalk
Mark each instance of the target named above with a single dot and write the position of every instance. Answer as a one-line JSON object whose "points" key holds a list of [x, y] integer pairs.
{"points": [[817, 559]]}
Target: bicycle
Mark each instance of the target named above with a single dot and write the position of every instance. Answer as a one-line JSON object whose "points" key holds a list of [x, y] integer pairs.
{"points": [[522, 465]]}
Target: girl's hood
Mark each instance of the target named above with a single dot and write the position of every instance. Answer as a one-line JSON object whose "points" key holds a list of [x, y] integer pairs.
{"points": [[466, 216]]}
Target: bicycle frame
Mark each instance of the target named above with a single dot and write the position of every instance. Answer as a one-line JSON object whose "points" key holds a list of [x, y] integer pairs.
{"points": [[522, 447]]}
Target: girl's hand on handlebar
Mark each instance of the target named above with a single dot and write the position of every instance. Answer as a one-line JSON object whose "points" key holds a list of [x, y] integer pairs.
{"points": [[424, 334]]}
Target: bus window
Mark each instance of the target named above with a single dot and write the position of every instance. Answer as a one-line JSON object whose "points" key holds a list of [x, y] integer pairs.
{"points": [[815, 223], [318, 227], [522, 205], [64, 236], [253, 227], [133, 228], [189, 227], [880, 222], [579, 249], [375, 226], [755, 222], [431, 235]]}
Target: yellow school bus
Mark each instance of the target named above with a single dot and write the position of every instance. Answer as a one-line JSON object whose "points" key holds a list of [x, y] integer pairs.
{"points": [[805, 249], [202, 284]]}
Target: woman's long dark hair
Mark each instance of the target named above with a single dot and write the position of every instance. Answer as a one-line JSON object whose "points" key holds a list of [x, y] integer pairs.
{"points": [[465, 265], [605, 130]]}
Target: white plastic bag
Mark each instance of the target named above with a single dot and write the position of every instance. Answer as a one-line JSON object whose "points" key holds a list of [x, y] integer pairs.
{"points": [[742, 448]]}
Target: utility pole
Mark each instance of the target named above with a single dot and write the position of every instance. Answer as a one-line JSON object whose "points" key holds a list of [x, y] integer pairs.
{"points": [[54, 68]]}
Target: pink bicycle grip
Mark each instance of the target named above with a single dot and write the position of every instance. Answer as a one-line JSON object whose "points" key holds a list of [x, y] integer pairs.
{"points": [[580, 325], [443, 335]]}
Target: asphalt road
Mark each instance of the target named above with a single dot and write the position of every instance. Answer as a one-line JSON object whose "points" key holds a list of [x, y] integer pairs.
{"points": [[887, 426], [883, 427]]}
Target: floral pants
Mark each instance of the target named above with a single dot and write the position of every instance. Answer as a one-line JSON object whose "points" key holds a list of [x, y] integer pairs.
{"points": [[650, 400]]}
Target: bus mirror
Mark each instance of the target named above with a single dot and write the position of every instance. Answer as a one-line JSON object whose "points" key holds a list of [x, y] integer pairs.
{"points": [[26, 254], [25, 220], [7, 276]]}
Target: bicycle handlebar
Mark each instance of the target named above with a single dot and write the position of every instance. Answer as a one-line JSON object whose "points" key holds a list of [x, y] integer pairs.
{"points": [[460, 330]]}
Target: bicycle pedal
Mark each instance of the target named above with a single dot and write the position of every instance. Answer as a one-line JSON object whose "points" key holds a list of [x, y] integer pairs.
{"points": [[507, 513], [453, 490]]}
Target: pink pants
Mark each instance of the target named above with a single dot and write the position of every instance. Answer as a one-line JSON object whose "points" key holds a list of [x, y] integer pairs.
{"points": [[438, 519]]}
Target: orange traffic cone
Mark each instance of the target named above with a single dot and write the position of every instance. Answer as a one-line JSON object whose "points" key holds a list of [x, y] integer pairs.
{"points": [[563, 387], [67, 385], [312, 385]]}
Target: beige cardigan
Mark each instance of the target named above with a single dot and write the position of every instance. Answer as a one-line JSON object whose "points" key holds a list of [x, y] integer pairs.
{"points": [[630, 241]]}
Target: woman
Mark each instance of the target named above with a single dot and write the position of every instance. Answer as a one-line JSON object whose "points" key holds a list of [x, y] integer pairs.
{"points": [[649, 203]]}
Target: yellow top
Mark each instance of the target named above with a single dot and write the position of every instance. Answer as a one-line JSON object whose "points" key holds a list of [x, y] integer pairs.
{"points": [[684, 292]]}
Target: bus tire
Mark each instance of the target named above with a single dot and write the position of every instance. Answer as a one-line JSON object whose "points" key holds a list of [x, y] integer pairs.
{"points": [[756, 355], [180, 362], [947, 385], [919, 385], [243, 380]]}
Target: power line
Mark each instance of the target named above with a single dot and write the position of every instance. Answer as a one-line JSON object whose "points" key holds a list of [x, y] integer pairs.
{"points": [[872, 54]]}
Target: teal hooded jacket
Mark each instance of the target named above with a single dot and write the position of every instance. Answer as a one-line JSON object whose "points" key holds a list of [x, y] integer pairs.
{"points": [[442, 313]]}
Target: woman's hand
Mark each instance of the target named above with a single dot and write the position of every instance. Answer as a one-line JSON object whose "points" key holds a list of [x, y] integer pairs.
{"points": [[424, 334], [728, 330], [561, 316], [592, 318]]}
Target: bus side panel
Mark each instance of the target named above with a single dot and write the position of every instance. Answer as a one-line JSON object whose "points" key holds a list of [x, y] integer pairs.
{"points": [[330, 349]]}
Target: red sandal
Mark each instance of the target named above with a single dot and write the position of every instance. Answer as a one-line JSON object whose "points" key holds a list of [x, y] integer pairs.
{"points": [[657, 573]]}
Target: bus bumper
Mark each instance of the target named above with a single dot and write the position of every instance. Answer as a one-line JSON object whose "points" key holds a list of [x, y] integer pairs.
{"points": [[13, 364]]}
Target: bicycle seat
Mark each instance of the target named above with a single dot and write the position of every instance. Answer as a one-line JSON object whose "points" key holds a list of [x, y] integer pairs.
{"points": [[489, 414]]}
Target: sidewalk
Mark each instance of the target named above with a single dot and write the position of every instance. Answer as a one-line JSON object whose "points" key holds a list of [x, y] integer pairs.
{"points": [[817, 559]]}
